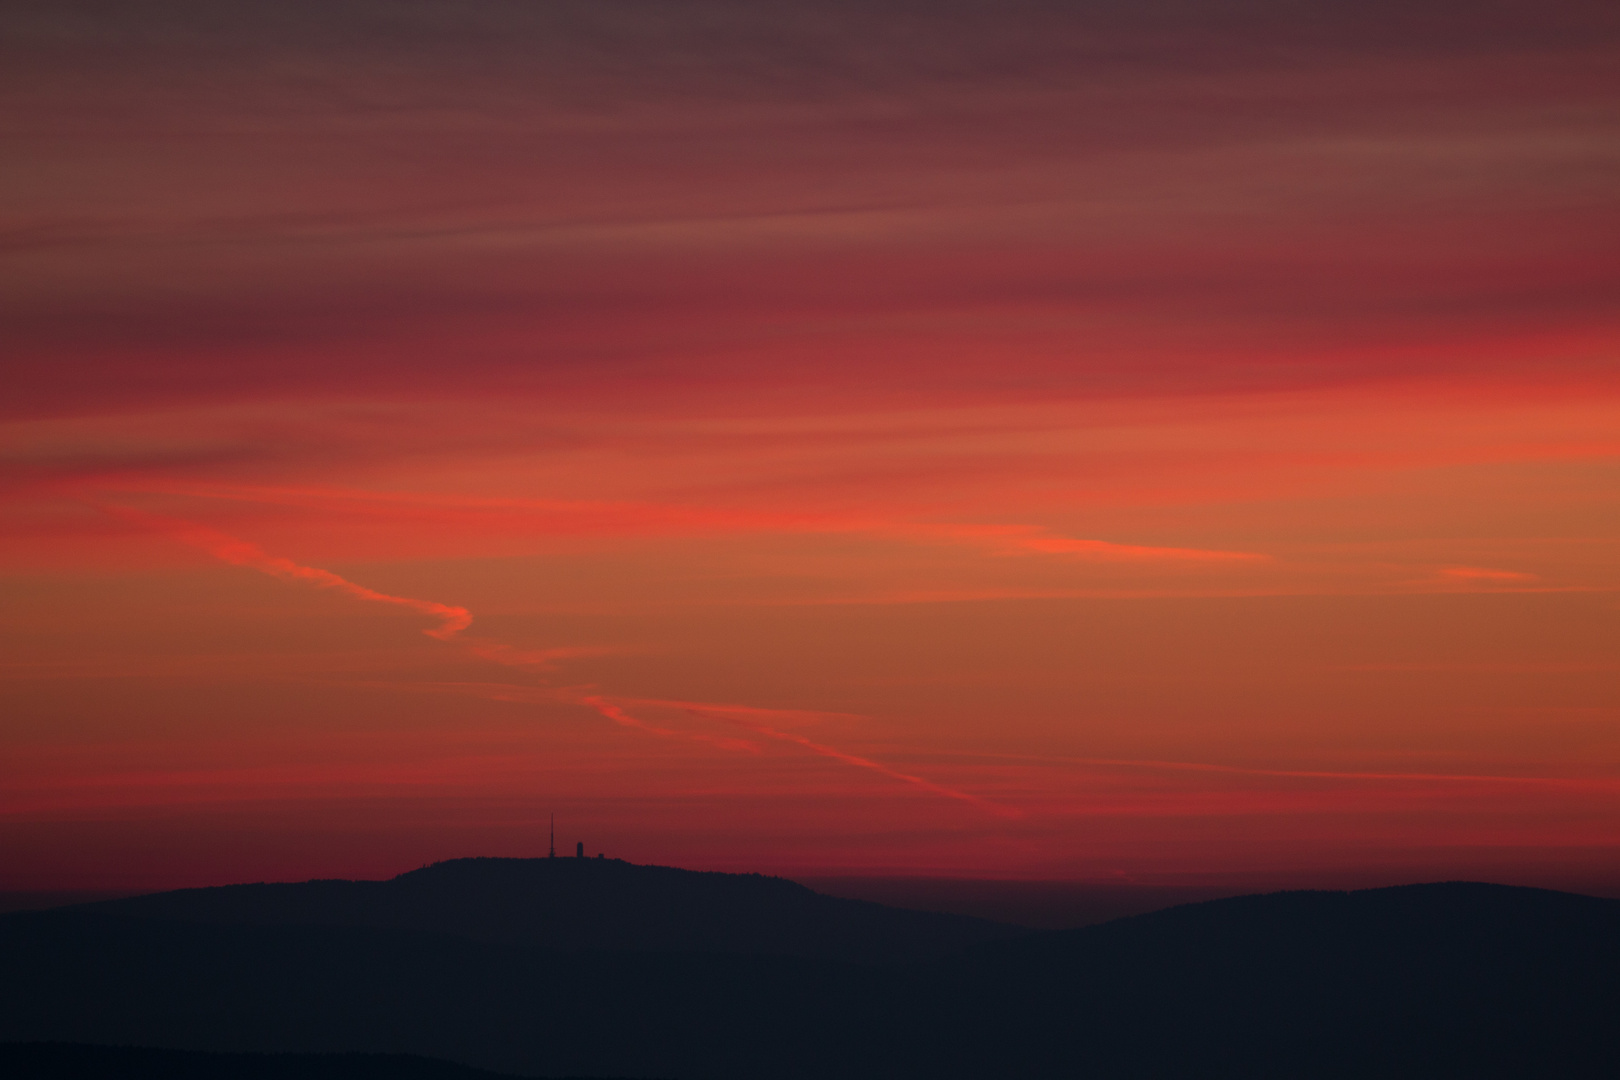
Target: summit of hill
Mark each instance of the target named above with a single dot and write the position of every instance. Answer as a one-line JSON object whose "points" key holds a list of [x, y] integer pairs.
{"points": [[586, 904]]}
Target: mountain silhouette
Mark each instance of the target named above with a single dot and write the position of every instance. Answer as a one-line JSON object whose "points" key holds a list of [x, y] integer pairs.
{"points": [[1449, 979], [78, 1061], [577, 904], [1420, 981]]}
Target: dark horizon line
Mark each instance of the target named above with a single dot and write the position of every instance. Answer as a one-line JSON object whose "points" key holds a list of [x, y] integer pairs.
{"points": [[1604, 886]]}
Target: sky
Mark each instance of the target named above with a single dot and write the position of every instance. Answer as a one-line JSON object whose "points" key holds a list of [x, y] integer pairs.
{"points": [[1152, 443]]}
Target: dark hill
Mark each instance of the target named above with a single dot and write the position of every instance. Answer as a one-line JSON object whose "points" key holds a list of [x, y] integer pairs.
{"points": [[78, 1061], [1451, 980], [576, 904]]}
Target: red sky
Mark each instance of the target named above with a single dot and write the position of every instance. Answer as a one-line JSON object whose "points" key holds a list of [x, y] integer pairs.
{"points": [[1157, 442]]}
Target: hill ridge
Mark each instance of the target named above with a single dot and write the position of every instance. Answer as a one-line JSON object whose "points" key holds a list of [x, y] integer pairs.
{"points": [[1442, 979], [579, 904]]}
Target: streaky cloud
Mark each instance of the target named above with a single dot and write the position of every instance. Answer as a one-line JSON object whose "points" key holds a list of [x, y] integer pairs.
{"points": [[240, 552], [743, 718]]}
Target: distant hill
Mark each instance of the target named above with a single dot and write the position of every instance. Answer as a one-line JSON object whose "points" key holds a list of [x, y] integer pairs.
{"points": [[1449, 980], [577, 904], [1452, 979]]}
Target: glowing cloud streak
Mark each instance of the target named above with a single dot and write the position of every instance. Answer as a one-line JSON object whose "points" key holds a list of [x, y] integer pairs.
{"points": [[1583, 782], [741, 717], [1033, 540], [533, 659], [616, 714], [522, 516], [1482, 573], [238, 552]]}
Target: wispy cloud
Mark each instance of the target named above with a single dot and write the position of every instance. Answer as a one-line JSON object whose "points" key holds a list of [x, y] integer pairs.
{"points": [[1349, 776], [1035, 540], [1484, 574], [536, 660], [618, 715], [744, 717], [553, 517], [240, 552]]}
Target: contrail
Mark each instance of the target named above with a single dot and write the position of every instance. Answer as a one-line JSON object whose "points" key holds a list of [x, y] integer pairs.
{"points": [[587, 517], [616, 714], [1035, 540], [739, 716], [753, 719], [238, 552]]}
